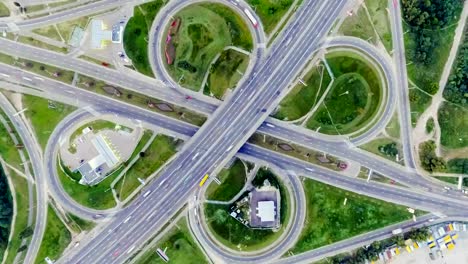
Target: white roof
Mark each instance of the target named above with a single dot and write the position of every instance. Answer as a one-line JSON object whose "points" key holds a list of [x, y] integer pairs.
{"points": [[99, 34], [96, 162], [266, 211], [105, 150]]}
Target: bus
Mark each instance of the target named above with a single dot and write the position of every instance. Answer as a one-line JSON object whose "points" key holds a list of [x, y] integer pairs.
{"points": [[204, 180], [251, 17]]}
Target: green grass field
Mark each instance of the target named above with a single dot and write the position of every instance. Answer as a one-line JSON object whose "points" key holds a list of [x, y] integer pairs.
{"points": [[224, 73], [56, 239], [374, 145], [8, 149], [44, 115], [358, 25], [452, 180], [37, 43], [424, 75], [393, 127], [329, 221], [270, 11], [453, 121], [49, 32], [237, 236], [181, 247], [353, 99], [135, 37], [200, 38], [98, 196], [21, 219], [78, 224], [419, 101], [232, 182], [381, 21], [4, 11], [302, 98], [66, 28], [161, 149]]}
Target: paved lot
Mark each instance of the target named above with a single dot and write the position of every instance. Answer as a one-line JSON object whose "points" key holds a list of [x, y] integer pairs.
{"points": [[459, 255]]}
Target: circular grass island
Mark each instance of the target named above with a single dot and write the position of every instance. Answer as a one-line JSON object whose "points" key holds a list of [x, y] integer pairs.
{"points": [[230, 232], [199, 41], [354, 96]]}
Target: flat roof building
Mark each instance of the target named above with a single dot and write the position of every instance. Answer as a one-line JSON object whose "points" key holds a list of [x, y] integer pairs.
{"points": [[106, 159], [266, 211], [264, 207], [100, 35]]}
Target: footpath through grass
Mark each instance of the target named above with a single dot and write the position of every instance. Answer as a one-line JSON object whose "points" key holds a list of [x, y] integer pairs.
{"points": [[135, 37], [302, 97], [270, 11], [56, 238], [198, 33], [354, 98], [44, 115], [161, 150], [181, 247], [328, 220], [232, 182]]}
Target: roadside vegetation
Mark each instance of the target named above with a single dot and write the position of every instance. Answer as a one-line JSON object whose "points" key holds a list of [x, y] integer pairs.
{"points": [[55, 241], [456, 90], [154, 157], [383, 147], [4, 11], [453, 121], [329, 220], [270, 11], [459, 165], [140, 100], [98, 196], [296, 151], [193, 41], [20, 186], [43, 45], [235, 235], [8, 149], [452, 180], [6, 212], [181, 247], [135, 36], [353, 99], [78, 224], [431, 28], [232, 181], [430, 125], [380, 20], [44, 115], [302, 98], [225, 73], [419, 102], [429, 160], [393, 127]]}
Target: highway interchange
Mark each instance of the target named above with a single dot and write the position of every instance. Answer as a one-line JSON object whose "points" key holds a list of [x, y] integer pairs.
{"points": [[264, 87]]}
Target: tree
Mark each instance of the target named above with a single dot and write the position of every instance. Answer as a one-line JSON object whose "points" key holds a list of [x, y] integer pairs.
{"points": [[142, 154]]}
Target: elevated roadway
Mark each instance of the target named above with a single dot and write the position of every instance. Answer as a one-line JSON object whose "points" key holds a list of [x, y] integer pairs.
{"points": [[218, 139]]}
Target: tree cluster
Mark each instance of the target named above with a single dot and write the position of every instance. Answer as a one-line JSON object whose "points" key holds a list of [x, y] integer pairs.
{"points": [[456, 89], [389, 149], [6, 212], [429, 160], [424, 16]]}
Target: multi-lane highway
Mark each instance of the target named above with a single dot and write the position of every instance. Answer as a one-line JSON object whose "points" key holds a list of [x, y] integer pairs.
{"points": [[212, 143], [228, 127]]}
